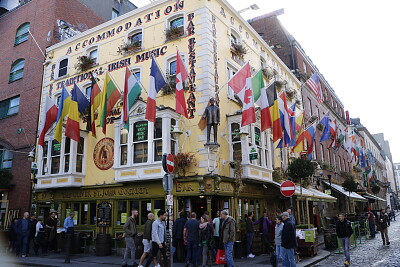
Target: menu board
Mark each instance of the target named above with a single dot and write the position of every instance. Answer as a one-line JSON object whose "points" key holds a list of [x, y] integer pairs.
{"points": [[104, 214], [140, 131]]}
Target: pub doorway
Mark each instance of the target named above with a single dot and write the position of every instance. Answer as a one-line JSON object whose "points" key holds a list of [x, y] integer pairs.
{"points": [[200, 204]]}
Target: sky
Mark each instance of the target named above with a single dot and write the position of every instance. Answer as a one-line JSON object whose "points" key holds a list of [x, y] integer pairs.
{"points": [[354, 44]]}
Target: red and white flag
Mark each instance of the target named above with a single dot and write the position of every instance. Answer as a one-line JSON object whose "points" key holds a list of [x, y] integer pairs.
{"points": [[49, 115], [333, 131], [241, 84], [181, 77]]}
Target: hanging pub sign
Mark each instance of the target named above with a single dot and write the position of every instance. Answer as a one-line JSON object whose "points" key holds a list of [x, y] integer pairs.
{"points": [[104, 214]]}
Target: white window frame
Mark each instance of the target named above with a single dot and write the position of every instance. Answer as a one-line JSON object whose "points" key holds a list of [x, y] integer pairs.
{"points": [[173, 17], [171, 59], [90, 50], [84, 87], [230, 71], [236, 35], [57, 77], [133, 32], [230, 122]]}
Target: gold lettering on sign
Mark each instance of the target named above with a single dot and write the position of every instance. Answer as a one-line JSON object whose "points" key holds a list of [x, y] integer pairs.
{"points": [[184, 187], [63, 180], [226, 187], [45, 182], [131, 173], [151, 171]]}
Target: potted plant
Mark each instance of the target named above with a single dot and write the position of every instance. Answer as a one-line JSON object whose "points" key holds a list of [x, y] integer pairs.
{"points": [[174, 33], [129, 47], [279, 84], [238, 49], [182, 161], [84, 63], [170, 86], [300, 170]]}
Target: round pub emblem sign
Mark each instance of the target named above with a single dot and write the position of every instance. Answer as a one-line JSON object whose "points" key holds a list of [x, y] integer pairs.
{"points": [[103, 155]]}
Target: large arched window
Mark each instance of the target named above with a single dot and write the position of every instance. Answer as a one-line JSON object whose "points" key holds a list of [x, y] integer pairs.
{"points": [[17, 70], [22, 33]]}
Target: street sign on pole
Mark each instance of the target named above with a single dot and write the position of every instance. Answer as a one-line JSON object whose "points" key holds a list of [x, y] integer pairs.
{"points": [[170, 200], [167, 183], [170, 163], [288, 188]]}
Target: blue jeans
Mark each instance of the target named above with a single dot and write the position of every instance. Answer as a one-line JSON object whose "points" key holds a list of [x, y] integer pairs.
{"points": [[228, 254], [278, 252], [288, 257], [372, 228], [192, 251], [345, 241], [22, 243], [249, 241]]}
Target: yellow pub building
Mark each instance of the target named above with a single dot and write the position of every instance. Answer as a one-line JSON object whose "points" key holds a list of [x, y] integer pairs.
{"points": [[103, 178]]}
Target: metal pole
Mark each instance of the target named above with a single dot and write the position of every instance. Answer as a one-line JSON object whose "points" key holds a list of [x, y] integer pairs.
{"points": [[170, 228]]}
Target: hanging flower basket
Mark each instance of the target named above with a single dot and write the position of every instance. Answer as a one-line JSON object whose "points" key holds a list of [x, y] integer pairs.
{"points": [[129, 48], [279, 85], [268, 74], [170, 86], [84, 63], [183, 161], [238, 49], [174, 33], [290, 94]]}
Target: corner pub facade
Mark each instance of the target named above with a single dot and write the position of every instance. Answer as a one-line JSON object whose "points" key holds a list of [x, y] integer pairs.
{"points": [[103, 178]]}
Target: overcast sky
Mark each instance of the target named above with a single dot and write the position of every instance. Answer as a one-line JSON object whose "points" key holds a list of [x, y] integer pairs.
{"points": [[355, 45]]}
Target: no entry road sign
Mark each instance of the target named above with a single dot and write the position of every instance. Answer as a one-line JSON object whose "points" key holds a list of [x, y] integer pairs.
{"points": [[288, 188]]}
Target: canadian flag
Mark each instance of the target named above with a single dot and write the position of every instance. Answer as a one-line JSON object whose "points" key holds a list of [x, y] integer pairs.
{"points": [[181, 77], [49, 115], [241, 84]]}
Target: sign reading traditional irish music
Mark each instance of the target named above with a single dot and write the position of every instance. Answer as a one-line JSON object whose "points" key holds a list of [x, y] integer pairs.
{"points": [[104, 214], [288, 188], [103, 154], [140, 131]]}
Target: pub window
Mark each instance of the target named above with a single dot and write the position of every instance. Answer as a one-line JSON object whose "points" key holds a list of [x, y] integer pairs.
{"points": [[236, 143], [85, 213], [158, 140], [140, 145], [258, 144], [55, 151], [122, 212], [63, 67], [22, 33], [231, 71], [92, 214], [135, 204], [80, 151], [124, 147], [9, 107], [173, 140], [67, 153], [6, 157], [93, 54], [17, 70], [145, 209]]}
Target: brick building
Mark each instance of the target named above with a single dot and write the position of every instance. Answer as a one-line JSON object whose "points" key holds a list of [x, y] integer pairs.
{"points": [[20, 83]]}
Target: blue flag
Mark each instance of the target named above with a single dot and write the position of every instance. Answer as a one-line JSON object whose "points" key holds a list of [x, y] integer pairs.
{"points": [[80, 98], [326, 133]]}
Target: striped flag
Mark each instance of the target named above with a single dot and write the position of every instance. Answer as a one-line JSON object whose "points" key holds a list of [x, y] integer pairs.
{"points": [[157, 82], [111, 95], [261, 99], [181, 77], [95, 101], [315, 86], [132, 90], [78, 104], [63, 108], [49, 115]]}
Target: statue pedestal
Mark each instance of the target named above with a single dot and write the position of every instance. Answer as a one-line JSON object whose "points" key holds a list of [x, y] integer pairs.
{"points": [[212, 156]]}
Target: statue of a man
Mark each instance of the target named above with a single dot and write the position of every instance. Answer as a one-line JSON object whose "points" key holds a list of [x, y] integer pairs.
{"points": [[213, 118]]}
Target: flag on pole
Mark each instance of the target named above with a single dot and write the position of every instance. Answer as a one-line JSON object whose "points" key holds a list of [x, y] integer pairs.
{"points": [[181, 77], [293, 128], [262, 100], [299, 147], [315, 86], [95, 101], [274, 111], [49, 115], [132, 90], [63, 108], [111, 95], [157, 82], [333, 131], [241, 84], [309, 135], [285, 114], [326, 134], [77, 105]]}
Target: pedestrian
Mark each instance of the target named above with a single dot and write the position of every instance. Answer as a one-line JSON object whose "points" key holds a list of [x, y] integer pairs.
{"points": [[130, 234], [51, 232], [389, 212], [177, 235], [393, 215], [343, 232], [32, 231], [147, 239], [291, 216], [383, 225], [69, 234], [40, 237], [191, 235], [288, 241], [265, 228], [216, 223], [12, 235], [205, 237], [228, 230], [249, 234], [158, 238], [371, 222], [278, 237], [23, 230]]}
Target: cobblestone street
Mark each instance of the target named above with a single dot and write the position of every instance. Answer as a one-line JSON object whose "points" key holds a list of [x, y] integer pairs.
{"points": [[371, 253]]}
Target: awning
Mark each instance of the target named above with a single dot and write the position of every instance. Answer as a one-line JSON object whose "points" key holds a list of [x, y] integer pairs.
{"points": [[369, 196], [312, 194], [340, 189]]}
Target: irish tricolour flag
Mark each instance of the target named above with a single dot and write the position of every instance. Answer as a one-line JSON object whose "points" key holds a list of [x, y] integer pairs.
{"points": [[241, 84], [132, 90]]}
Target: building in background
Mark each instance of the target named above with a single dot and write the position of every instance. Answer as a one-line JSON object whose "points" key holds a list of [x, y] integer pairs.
{"points": [[22, 60], [396, 169], [109, 9]]}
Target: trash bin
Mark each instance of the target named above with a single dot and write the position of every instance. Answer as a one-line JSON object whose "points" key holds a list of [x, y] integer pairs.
{"points": [[330, 239], [238, 250], [103, 245]]}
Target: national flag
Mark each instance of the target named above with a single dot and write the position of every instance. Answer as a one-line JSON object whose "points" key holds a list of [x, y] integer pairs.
{"points": [[77, 105], [49, 115], [63, 108], [309, 135], [285, 114], [293, 128], [241, 84], [333, 130], [326, 134], [95, 101], [273, 104], [362, 158], [261, 99], [299, 147], [132, 90], [181, 77], [110, 97], [315, 86], [157, 82]]}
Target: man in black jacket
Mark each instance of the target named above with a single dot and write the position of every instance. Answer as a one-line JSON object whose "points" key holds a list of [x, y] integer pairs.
{"points": [[177, 235], [344, 231], [383, 224], [288, 241]]}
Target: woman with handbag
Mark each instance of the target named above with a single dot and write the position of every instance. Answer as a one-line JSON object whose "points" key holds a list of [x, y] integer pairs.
{"points": [[206, 238]]}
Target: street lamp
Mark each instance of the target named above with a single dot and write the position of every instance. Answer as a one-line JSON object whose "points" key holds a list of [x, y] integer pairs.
{"points": [[252, 7]]}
